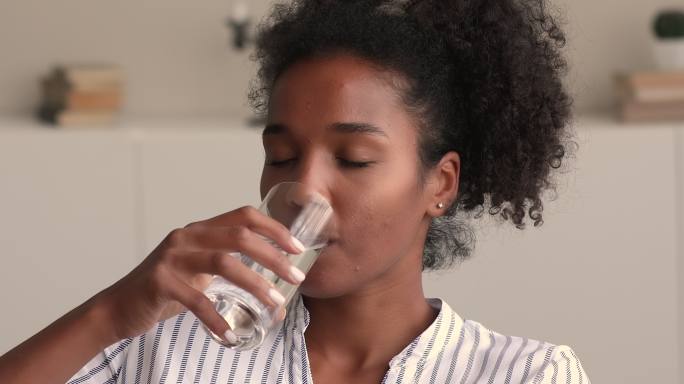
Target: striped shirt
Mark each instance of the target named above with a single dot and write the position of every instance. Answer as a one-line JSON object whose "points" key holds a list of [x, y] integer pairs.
{"points": [[450, 350]]}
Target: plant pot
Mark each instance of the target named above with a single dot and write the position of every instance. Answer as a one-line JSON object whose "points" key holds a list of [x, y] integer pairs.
{"points": [[669, 54]]}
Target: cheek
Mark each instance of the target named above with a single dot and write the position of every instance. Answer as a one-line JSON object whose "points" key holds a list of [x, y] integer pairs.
{"points": [[361, 230], [381, 220], [361, 251], [365, 233], [391, 228], [375, 232]]}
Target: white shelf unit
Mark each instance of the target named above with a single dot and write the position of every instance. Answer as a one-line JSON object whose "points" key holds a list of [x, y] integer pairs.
{"points": [[604, 274]]}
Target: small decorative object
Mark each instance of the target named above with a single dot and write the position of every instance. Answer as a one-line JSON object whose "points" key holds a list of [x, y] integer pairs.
{"points": [[668, 46], [239, 23], [81, 95]]}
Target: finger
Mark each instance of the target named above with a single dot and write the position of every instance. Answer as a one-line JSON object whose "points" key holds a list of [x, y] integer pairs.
{"points": [[198, 304], [232, 269], [258, 222], [243, 240]]}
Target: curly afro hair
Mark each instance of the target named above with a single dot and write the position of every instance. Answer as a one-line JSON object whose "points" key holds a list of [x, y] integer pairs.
{"points": [[483, 78]]}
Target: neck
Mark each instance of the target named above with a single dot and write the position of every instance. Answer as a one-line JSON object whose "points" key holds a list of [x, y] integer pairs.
{"points": [[369, 327]]}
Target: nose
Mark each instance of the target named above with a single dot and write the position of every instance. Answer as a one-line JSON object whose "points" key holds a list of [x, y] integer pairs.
{"points": [[297, 187], [311, 220], [299, 194], [286, 200], [312, 177]]}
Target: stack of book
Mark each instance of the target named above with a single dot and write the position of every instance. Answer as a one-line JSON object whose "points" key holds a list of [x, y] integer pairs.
{"points": [[81, 95], [650, 96]]}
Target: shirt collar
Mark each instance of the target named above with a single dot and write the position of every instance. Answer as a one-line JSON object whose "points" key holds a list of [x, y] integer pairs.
{"points": [[440, 336], [435, 339]]}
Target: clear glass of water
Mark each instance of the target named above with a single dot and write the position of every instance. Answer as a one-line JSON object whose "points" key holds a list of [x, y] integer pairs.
{"points": [[306, 213]]}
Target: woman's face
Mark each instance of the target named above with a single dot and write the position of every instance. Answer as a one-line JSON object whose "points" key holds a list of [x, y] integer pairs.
{"points": [[338, 126]]}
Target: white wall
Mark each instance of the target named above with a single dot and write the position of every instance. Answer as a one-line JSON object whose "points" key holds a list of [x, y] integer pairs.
{"points": [[175, 52], [178, 62]]}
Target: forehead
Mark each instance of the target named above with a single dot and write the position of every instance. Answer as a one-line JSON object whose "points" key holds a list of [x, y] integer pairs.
{"points": [[320, 92]]}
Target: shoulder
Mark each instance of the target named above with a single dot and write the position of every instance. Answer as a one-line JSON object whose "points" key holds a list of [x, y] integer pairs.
{"points": [[480, 354], [143, 352], [563, 366]]}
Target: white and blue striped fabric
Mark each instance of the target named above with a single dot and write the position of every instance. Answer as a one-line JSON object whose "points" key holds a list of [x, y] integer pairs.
{"points": [[451, 350]]}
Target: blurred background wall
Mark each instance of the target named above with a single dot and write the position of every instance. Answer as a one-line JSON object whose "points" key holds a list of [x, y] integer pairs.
{"points": [[177, 60], [605, 272]]}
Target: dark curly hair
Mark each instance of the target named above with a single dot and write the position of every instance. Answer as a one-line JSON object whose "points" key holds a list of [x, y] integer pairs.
{"points": [[483, 78]]}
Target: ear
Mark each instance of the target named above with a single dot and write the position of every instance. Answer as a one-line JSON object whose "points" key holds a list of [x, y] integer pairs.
{"points": [[443, 184]]}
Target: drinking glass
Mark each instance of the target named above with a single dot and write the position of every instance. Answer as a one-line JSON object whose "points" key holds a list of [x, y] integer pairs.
{"points": [[306, 214]]}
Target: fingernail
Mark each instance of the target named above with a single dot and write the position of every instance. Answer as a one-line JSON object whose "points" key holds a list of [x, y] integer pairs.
{"points": [[276, 296], [230, 337], [297, 274], [298, 244]]}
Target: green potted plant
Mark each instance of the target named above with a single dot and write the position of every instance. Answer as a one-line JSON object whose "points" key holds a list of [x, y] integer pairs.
{"points": [[668, 27]]}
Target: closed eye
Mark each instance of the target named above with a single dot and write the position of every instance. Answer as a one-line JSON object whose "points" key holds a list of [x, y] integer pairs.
{"points": [[343, 162], [279, 163], [354, 164]]}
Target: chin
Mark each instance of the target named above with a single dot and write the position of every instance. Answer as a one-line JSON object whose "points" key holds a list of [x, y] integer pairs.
{"points": [[320, 293]]}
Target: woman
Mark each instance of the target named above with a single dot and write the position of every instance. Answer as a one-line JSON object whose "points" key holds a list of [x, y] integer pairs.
{"points": [[404, 115]]}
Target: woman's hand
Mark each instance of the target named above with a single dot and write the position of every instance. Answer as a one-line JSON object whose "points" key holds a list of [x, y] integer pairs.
{"points": [[181, 266], [177, 271]]}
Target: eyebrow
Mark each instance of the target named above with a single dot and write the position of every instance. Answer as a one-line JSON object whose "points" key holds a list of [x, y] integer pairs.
{"points": [[362, 128]]}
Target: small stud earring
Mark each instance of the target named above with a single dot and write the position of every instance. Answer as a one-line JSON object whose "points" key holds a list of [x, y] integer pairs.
{"points": [[440, 205]]}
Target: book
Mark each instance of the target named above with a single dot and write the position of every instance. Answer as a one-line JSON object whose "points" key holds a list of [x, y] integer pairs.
{"points": [[653, 79], [81, 95], [627, 93], [75, 118], [650, 87], [88, 77], [85, 119], [85, 100], [662, 111]]}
